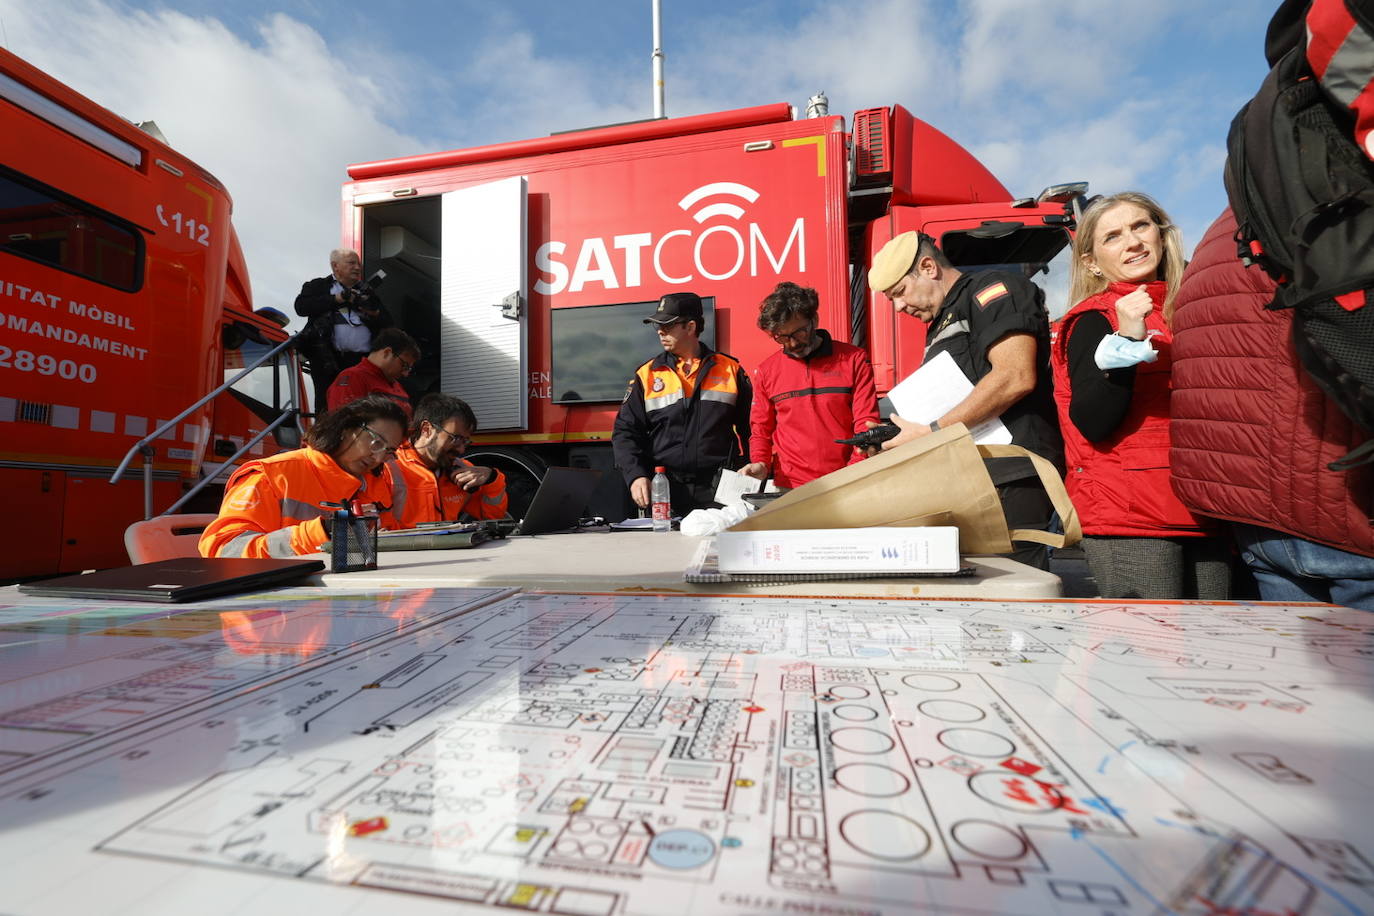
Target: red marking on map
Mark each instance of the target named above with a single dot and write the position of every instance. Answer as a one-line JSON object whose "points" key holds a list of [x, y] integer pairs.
{"points": [[1024, 767], [371, 825], [799, 760], [753, 709], [1286, 706], [960, 765], [591, 670], [1225, 704]]}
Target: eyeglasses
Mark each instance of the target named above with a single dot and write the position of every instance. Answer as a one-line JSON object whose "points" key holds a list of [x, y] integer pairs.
{"points": [[799, 336], [407, 366], [464, 441], [378, 445]]}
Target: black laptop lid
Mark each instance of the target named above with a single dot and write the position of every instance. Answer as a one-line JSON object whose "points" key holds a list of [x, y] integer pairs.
{"points": [[182, 579], [558, 504]]}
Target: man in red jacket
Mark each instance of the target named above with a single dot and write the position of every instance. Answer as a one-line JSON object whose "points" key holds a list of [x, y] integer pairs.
{"points": [[393, 357], [813, 391], [1252, 436]]}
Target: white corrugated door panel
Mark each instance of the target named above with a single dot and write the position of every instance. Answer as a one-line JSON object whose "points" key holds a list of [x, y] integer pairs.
{"points": [[484, 354]]}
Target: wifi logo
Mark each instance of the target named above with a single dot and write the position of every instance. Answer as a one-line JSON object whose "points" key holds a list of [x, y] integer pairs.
{"points": [[721, 207]]}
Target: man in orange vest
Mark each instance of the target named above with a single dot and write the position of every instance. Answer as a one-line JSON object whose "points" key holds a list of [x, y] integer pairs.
{"points": [[686, 409], [431, 481], [393, 357]]}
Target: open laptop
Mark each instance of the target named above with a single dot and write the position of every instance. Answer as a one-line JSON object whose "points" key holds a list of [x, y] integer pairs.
{"points": [[181, 579], [559, 501]]}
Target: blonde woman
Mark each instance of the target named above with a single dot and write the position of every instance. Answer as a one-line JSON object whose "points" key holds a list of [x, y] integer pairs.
{"points": [[1111, 359]]}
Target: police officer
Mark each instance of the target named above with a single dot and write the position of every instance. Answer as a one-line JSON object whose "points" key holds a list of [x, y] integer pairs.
{"points": [[686, 409], [995, 327]]}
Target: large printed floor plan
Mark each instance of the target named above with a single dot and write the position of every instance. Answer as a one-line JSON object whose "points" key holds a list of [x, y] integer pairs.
{"points": [[440, 750]]}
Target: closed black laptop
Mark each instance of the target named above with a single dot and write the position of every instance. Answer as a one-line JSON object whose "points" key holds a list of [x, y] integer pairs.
{"points": [[183, 579], [559, 501]]}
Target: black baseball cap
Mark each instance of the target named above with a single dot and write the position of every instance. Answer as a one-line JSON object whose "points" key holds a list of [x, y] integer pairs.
{"points": [[677, 307]]}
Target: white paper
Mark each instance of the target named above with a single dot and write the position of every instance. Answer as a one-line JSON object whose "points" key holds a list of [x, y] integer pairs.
{"points": [[733, 485], [933, 390]]}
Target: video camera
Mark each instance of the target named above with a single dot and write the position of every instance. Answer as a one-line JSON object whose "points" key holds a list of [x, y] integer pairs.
{"points": [[872, 438], [362, 294]]}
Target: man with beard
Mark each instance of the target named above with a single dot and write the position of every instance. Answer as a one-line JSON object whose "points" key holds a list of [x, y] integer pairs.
{"points": [[431, 481]]}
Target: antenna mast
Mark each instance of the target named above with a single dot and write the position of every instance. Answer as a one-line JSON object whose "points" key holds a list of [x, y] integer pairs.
{"points": [[658, 59]]}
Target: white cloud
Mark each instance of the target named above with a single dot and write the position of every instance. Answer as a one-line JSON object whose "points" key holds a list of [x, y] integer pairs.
{"points": [[277, 118]]}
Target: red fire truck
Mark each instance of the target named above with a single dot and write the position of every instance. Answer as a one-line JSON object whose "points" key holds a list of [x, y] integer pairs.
{"points": [[124, 298], [524, 268]]}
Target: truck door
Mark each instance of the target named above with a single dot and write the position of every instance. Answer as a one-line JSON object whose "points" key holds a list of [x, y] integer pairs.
{"points": [[482, 301]]}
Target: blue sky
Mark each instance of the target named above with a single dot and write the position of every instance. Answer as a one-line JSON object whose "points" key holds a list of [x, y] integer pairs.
{"points": [[278, 98]]}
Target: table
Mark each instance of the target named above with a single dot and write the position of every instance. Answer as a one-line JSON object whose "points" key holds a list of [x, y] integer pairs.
{"points": [[432, 750], [645, 560]]}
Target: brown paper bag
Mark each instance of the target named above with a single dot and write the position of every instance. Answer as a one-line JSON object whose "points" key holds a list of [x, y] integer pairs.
{"points": [[939, 479]]}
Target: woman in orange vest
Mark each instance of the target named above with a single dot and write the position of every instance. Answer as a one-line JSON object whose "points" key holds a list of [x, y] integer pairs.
{"points": [[1111, 358], [276, 507]]}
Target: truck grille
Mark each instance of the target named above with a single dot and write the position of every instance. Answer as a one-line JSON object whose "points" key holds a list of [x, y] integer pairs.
{"points": [[33, 412]]}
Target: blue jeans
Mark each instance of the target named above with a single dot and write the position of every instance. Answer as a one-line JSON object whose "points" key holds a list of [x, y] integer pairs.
{"points": [[1288, 568]]}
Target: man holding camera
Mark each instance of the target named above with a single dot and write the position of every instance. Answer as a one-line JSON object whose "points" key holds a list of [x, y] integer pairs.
{"points": [[343, 313]]}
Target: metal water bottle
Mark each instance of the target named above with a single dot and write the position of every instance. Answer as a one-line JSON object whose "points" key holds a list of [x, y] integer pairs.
{"points": [[661, 501]]}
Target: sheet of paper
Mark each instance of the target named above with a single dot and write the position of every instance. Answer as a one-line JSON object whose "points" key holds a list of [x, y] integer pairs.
{"points": [[932, 390], [733, 485]]}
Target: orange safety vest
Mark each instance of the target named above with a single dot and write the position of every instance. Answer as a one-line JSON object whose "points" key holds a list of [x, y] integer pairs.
{"points": [[419, 495], [272, 507]]}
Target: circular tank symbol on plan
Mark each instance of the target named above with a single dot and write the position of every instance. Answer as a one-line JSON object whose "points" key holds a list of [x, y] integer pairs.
{"points": [[848, 691], [851, 712], [885, 835], [951, 710], [975, 742], [933, 682], [861, 740], [681, 849], [871, 779], [990, 840]]}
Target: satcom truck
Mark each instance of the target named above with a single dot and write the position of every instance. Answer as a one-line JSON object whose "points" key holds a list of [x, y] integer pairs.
{"points": [[525, 268]]}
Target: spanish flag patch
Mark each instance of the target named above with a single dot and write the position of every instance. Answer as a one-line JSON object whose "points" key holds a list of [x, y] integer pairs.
{"points": [[990, 294]]}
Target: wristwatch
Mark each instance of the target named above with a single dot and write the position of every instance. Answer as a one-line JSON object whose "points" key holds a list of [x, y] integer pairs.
{"points": [[934, 425]]}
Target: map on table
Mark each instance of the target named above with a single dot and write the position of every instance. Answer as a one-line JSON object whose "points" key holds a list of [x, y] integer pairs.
{"points": [[433, 750]]}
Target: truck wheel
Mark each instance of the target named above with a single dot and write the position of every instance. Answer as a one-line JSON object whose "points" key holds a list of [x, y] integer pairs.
{"points": [[523, 472]]}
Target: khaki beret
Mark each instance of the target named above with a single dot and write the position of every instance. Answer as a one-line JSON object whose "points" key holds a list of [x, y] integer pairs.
{"points": [[892, 262]]}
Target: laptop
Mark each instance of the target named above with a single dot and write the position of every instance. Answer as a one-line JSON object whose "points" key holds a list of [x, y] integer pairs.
{"points": [[181, 579], [559, 501]]}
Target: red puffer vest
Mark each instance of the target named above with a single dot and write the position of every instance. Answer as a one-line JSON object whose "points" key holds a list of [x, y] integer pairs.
{"points": [[1252, 432], [1120, 485]]}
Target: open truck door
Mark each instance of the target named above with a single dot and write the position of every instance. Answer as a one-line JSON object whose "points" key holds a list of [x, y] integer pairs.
{"points": [[483, 294]]}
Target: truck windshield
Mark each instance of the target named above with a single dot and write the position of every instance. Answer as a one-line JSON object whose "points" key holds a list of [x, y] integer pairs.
{"points": [[1041, 254], [265, 390]]}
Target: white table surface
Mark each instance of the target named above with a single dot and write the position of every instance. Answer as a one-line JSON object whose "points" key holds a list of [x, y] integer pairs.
{"points": [[654, 561]]}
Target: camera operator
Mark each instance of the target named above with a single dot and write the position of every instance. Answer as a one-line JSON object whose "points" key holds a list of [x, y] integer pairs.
{"points": [[343, 313]]}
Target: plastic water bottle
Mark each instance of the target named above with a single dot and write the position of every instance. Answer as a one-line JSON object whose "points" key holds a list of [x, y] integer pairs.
{"points": [[661, 501]]}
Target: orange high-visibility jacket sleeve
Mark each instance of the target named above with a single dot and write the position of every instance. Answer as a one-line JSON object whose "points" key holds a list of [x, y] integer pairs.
{"points": [[251, 524], [490, 499]]}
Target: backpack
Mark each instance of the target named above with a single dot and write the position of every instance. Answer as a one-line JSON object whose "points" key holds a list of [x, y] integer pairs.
{"points": [[1303, 195]]}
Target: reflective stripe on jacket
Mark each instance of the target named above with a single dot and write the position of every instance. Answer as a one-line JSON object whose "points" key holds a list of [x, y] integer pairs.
{"points": [[419, 495], [694, 432], [272, 507], [1120, 485]]}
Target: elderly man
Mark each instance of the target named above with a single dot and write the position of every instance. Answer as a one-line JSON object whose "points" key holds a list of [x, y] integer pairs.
{"points": [[813, 391], [342, 314], [686, 409], [994, 325], [393, 357], [430, 479]]}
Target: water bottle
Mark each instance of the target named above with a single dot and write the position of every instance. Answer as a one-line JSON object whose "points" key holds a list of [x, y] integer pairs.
{"points": [[661, 501]]}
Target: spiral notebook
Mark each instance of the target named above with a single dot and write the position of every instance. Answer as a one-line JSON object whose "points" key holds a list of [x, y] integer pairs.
{"points": [[705, 570]]}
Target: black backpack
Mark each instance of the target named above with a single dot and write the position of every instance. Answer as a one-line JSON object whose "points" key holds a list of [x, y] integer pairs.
{"points": [[1303, 196]]}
